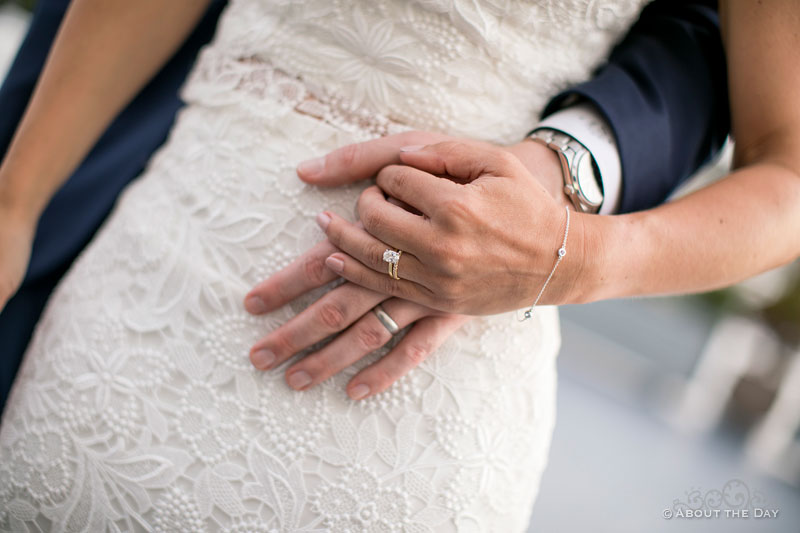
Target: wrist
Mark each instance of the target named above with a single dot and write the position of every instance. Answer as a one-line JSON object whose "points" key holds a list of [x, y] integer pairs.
{"points": [[18, 202], [606, 254], [544, 165]]}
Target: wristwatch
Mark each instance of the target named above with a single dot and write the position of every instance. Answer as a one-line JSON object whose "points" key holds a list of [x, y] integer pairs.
{"points": [[581, 176]]}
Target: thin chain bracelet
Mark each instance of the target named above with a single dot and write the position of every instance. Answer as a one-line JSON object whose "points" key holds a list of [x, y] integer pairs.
{"points": [[561, 253]]}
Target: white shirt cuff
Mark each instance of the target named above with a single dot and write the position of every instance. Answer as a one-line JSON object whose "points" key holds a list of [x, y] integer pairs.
{"points": [[584, 123]]}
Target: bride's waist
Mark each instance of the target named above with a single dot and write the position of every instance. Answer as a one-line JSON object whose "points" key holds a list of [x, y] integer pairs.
{"points": [[220, 78], [264, 90]]}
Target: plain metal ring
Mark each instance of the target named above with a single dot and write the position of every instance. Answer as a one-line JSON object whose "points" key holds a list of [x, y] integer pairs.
{"points": [[385, 319]]}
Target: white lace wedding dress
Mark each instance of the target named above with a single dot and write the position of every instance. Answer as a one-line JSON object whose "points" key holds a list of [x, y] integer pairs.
{"points": [[137, 408]]}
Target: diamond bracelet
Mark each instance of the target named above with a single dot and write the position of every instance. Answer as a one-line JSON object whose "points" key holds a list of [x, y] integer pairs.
{"points": [[561, 253]]}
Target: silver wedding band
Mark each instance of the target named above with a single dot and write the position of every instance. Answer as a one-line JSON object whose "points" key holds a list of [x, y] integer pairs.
{"points": [[385, 319]]}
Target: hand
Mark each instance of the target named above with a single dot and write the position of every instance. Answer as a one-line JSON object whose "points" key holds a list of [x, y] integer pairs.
{"points": [[360, 161], [349, 305], [346, 310], [484, 242]]}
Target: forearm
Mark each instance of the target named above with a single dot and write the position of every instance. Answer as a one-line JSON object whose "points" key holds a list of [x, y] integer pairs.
{"points": [[106, 50], [736, 228]]}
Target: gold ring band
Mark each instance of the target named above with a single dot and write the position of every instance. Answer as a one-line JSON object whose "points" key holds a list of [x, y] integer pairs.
{"points": [[395, 265], [393, 258]]}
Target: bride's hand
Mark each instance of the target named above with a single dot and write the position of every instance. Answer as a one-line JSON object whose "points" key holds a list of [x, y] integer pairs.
{"points": [[484, 241], [344, 311]]}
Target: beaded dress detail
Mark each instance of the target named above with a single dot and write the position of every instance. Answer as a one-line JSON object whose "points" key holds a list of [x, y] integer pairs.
{"points": [[137, 408]]}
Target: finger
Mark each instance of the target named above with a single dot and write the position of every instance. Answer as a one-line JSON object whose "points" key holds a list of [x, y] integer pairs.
{"points": [[415, 187], [392, 224], [305, 273], [360, 161], [420, 342], [404, 205], [362, 338], [332, 313], [465, 161], [352, 270], [356, 242]]}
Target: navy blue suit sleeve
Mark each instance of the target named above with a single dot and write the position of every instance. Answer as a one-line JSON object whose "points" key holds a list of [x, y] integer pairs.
{"points": [[664, 93]]}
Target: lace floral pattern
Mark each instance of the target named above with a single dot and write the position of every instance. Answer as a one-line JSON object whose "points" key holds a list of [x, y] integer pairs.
{"points": [[137, 409]]}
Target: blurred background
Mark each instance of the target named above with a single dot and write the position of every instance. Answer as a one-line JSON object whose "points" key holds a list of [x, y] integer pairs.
{"points": [[679, 403]]}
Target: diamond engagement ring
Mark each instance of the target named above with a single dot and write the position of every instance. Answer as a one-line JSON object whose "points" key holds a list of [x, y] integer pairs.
{"points": [[392, 257]]}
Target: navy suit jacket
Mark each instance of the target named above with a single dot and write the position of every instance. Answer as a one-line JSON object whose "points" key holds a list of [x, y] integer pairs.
{"points": [[663, 92]]}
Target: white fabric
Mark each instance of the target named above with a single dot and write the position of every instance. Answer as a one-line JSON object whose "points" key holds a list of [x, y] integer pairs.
{"points": [[584, 123], [137, 409]]}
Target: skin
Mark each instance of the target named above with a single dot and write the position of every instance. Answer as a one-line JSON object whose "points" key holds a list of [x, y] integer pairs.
{"points": [[346, 309], [749, 221], [83, 86], [486, 220]]}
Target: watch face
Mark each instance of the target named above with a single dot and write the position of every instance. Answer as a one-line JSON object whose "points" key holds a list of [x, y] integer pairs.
{"points": [[587, 180]]}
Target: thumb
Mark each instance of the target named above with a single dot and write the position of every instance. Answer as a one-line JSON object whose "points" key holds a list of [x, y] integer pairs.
{"points": [[360, 161], [461, 161]]}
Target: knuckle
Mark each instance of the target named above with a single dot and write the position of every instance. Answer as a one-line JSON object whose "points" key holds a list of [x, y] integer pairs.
{"points": [[348, 155], [417, 352], [507, 159], [284, 344], [450, 289], [458, 210], [314, 269], [449, 258], [332, 315], [369, 338], [372, 218], [451, 262], [387, 285], [375, 255], [399, 175]]}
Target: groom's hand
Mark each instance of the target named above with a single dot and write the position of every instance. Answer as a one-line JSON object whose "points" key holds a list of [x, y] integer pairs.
{"points": [[361, 161], [345, 311]]}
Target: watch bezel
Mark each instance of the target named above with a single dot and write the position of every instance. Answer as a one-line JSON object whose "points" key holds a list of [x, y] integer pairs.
{"points": [[571, 154], [580, 176]]}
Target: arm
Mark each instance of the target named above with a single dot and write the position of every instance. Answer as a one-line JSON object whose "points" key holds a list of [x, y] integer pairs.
{"points": [[487, 245], [673, 49], [746, 223], [104, 53]]}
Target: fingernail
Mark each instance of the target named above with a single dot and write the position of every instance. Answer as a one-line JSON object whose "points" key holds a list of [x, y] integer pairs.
{"points": [[359, 391], [299, 379], [323, 219], [255, 305], [335, 264], [412, 148], [312, 167], [262, 359]]}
